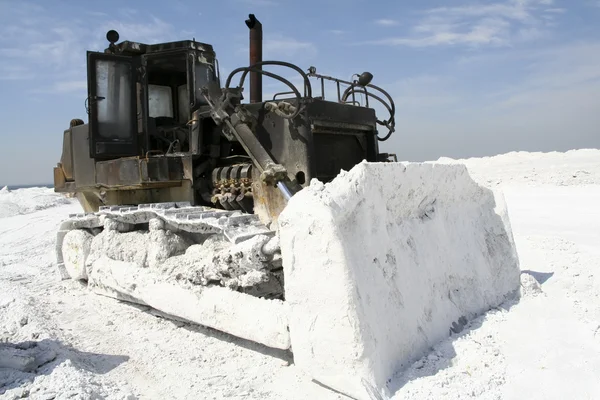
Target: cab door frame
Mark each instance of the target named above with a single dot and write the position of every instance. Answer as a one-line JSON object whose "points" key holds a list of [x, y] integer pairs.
{"points": [[113, 123]]}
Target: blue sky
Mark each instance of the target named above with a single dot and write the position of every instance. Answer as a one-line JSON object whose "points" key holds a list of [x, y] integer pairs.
{"points": [[470, 78]]}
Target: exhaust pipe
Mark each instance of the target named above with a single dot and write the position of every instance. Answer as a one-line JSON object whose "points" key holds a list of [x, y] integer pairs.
{"points": [[255, 57]]}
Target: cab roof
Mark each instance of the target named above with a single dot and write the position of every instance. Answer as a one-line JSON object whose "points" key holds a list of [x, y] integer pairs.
{"points": [[135, 48]]}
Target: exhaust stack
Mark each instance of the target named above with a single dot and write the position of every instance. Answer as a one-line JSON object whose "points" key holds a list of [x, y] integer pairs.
{"points": [[255, 57]]}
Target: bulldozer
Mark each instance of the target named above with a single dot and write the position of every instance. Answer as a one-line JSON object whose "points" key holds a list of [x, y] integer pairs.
{"points": [[183, 185], [162, 129], [164, 137]]}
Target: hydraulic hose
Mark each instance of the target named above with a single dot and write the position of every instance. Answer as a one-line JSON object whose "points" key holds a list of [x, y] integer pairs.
{"points": [[274, 76]]}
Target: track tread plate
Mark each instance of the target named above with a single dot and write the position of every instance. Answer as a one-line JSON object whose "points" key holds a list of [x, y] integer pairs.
{"points": [[234, 225]]}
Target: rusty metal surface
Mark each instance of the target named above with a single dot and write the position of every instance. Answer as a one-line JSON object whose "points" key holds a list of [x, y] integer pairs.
{"points": [[89, 201], [125, 173], [268, 201], [93, 198], [232, 187], [66, 158], [340, 127], [182, 192], [334, 152], [288, 142], [157, 169], [59, 179], [84, 170], [137, 48], [324, 111], [187, 165], [137, 171], [255, 57], [196, 131], [120, 172], [68, 188], [329, 137]]}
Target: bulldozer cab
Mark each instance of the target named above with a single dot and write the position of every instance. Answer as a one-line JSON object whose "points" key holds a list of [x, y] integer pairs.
{"points": [[141, 97]]}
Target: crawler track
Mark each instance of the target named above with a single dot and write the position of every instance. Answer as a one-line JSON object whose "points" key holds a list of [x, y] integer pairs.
{"points": [[234, 226]]}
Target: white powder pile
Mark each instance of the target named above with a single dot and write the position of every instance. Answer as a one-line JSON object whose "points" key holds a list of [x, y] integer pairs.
{"points": [[385, 262], [25, 201]]}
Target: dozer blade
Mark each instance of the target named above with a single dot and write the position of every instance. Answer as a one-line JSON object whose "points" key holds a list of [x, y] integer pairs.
{"points": [[386, 261], [363, 275]]}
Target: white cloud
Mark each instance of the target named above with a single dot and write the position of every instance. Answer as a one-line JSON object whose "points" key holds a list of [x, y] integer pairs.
{"points": [[565, 68], [33, 43], [485, 31], [423, 92], [11, 72], [71, 86], [277, 46], [77, 87], [153, 30], [260, 3], [97, 14], [386, 22], [539, 99], [547, 81], [491, 24], [509, 10]]}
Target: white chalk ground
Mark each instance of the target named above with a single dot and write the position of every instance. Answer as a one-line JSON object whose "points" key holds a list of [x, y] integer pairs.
{"points": [[547, 346]]}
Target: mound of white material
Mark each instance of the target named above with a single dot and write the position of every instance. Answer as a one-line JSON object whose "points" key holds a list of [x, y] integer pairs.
{"points": [[151, 269], [25, 201], [385, 261], [575, 167], [239, 314]]}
